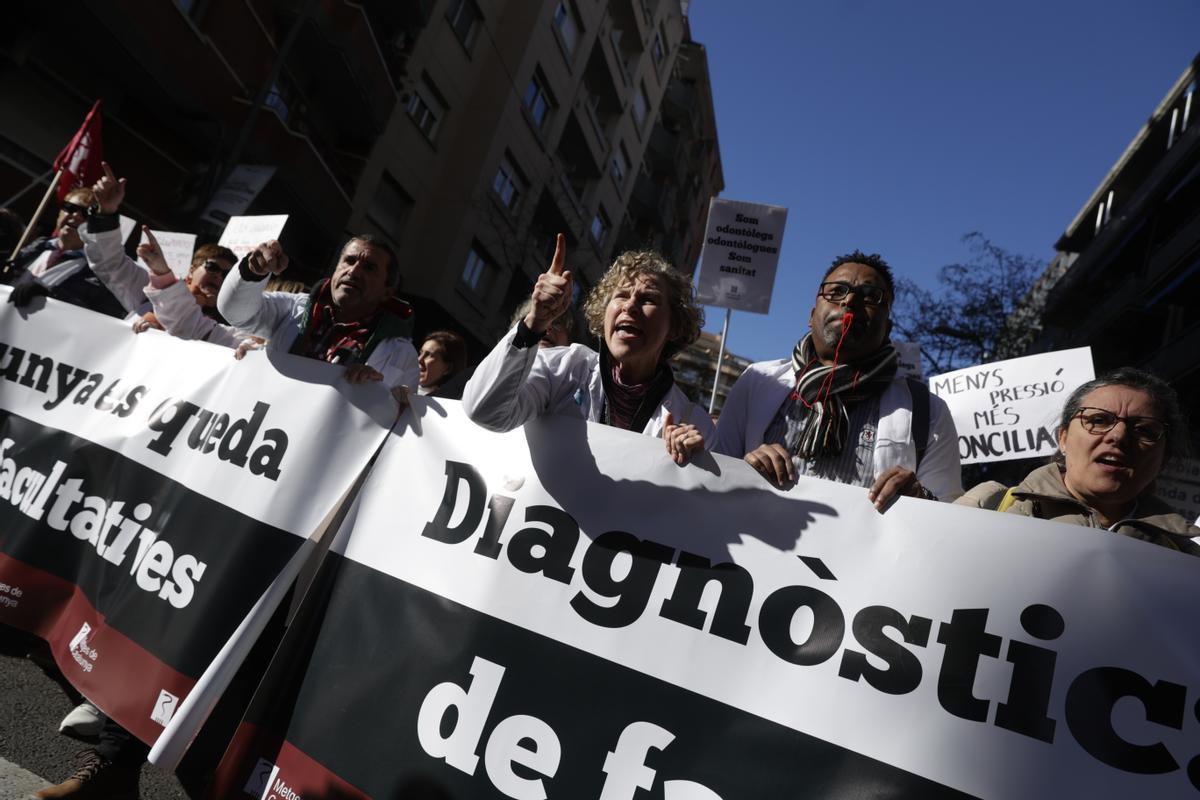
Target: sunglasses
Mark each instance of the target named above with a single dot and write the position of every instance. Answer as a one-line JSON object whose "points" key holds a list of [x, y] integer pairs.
{"points": [[73, 208]]}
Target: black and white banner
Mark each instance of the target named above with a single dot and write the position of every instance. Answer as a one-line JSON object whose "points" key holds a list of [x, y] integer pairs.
{"points": [[151, 491], [562, 612]]}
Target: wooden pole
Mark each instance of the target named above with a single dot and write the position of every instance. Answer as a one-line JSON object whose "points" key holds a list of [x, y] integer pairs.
{"points": [[33, 220]]}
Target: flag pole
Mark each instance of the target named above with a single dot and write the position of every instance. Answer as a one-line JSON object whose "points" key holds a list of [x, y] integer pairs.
{"points": [[712, 401], [33, 220]]}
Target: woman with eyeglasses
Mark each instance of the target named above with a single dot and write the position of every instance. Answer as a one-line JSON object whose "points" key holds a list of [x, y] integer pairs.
{"points": [[1115, 435]]}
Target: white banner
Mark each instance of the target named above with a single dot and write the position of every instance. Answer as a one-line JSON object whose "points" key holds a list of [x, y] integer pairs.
{"points": [[931, 648], [243, 234], [740, 255], [1010, 409]]}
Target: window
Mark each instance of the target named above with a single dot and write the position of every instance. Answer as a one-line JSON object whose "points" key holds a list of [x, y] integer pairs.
{"points": [[620, 163], [462, 16], [601, 225], [426, 108], [390, 206], [640, 106], [477, 273], [656, 50], [537, 99], [275, 101], [508, 184], [568, 27]]}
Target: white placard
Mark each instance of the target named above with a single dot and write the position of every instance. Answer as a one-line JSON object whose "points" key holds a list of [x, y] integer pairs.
{"points": [[1178, 485], [237, 192], [909, 365], [740, 255], [127, 226], [177, 249], [243, 234], [1010, 409]]}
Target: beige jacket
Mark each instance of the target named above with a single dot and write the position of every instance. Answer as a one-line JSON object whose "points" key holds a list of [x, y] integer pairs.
{"points": [[1044, 495]]}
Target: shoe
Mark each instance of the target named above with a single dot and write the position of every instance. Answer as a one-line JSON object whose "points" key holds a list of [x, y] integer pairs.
{"points": [[96, 778], [84, 721]]}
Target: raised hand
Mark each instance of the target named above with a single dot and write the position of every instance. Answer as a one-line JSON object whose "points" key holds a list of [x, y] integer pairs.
{"points": [[150, 252], [267, 258], [109, 190], [552, 292], [683, 441]]}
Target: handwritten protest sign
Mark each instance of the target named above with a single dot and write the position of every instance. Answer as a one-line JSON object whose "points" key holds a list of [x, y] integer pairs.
{"points": [[127, 225], [177, 249], [243, 234], [1178, 485], [909, 364], [237, 192], [1009, 409], [740, 255]]}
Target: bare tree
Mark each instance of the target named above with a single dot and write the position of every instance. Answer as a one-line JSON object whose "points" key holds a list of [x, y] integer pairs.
{"points": [[972, 317]]}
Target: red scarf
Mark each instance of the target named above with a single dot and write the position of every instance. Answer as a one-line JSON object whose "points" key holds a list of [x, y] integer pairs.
{"points": [[330, 340]]}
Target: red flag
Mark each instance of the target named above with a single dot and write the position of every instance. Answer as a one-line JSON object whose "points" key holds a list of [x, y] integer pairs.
{"points": [[80, 159]]}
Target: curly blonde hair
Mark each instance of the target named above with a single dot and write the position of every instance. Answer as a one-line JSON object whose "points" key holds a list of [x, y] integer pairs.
{"points": [[686, 317]]}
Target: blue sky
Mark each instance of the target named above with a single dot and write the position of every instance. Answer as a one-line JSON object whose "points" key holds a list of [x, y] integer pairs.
{"points": [[898, 127]]}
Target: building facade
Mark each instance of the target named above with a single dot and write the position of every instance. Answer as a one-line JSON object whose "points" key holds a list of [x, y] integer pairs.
{"points": [[466, 132], [1126, 279], [520, 120]]}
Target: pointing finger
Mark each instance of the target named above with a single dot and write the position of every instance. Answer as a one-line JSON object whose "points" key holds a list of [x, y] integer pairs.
{"points": [[108, 170], [560, 255]]}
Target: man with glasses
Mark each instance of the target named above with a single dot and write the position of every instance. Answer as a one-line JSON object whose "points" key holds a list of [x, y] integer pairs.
{"points": [[186, 309], [836, 409], [55, 266]]}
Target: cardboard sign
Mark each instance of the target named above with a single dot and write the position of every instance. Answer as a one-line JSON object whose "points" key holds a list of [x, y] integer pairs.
{"points": [[1010, 409], [177, 249], [243, 234], [237, 192], [740, 255], [909, 365]]}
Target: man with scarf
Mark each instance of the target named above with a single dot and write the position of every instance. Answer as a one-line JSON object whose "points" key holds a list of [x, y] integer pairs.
{"points": [[836, 409], [350, 319]]}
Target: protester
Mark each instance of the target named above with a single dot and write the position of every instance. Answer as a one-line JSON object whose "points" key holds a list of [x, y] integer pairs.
{"points": [[186, 309], [644, 312], [558, 332], [1115, 435], [836, 409], [350, 318], [442, 362], [55, 266]]}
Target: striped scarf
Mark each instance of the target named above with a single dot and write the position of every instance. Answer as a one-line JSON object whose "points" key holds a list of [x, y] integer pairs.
{"points": [[822, 393]]}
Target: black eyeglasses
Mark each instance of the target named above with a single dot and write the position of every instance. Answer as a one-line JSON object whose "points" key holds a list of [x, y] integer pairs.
{"points": [[73, 208], [1146, 430], [837, 291]]}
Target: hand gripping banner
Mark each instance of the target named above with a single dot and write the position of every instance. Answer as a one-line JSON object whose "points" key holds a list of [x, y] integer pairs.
{"points": [[151, 491], [562, 612]]}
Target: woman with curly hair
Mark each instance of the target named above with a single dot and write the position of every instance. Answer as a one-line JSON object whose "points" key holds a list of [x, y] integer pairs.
{"points": [[643, 312]]}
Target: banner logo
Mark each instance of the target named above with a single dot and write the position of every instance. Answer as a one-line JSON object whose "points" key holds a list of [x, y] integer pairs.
{"points": [[84, 656]]}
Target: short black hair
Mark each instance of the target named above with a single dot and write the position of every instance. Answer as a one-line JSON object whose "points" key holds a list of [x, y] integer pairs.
{"points": [[378, 242], [874, 261]]}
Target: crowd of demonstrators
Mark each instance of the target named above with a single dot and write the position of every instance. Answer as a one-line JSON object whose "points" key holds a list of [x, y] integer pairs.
{"points": [[643, 312], [1115, 435], [186, 309], [351, 318], [55, 266], [837, 409]]}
